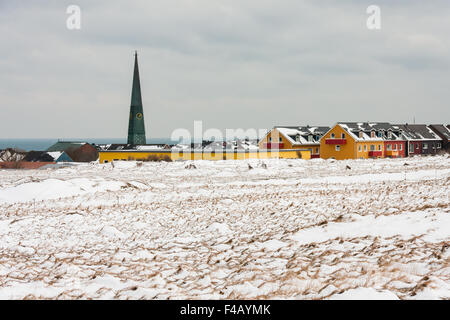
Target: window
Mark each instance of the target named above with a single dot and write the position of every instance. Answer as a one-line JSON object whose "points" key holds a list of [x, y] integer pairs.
{"points": [[359, 148], [439, 145], [372, 134], [390, 135], [297, 138], [332, 136], [338, 148], [411, 147], [372, 147], [270, 139], [361, 134], [380, 134], [389, 147], [425, 146], [379, 147], [395, 147], [343, 136], [365, 147], [310, 138], [281, 140], [400, 147], [105, 161]]}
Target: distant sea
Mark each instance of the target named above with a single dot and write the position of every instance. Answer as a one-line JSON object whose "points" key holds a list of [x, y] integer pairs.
{"points": [[43, 144]]}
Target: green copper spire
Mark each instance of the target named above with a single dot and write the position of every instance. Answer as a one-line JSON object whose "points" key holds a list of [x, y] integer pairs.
{"points": [[136, 128]]}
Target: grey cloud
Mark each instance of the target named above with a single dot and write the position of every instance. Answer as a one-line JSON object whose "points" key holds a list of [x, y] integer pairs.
{"points": [[229, 63]]}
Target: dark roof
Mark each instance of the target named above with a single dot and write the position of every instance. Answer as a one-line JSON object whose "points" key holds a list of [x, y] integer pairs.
{"points": [[127, 146], [364, 130], [66, 145], [308, 129], [303, 134], [418, 132], [368, 126], [38, 156], [120, 146], [441, 130]]}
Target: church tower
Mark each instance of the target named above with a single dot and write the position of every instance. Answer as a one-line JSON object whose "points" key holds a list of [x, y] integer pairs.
{"points": [[136, 127]]}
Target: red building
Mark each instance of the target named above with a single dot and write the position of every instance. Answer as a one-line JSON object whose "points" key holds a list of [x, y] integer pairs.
{"points": [[394, 144]]}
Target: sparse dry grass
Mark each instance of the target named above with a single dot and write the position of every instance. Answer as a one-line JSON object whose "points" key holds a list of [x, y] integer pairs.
{"points": [[164, 247]]}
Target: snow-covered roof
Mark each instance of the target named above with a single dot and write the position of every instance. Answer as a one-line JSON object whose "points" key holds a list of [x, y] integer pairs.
{"points": [[418, 132], [181, 147], [442, 129], [152, 147], [363, 131], [232, 145], [302, 135], [11, 155], [55, 154]]}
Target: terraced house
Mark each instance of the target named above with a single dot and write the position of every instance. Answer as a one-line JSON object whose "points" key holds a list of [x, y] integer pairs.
{"points": [[362, 140], [394, 140], [420, 139], [300, 137], [443, 131]]}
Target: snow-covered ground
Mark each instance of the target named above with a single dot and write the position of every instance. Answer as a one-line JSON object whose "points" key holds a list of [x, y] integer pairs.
{"points": [[294, 230]]}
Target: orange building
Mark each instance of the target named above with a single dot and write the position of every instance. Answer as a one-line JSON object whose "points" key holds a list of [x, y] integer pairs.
{"points": [[357, 140], [294, 138]]}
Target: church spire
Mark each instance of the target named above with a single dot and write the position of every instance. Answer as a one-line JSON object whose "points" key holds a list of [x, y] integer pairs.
{"points": [[136, 128]]}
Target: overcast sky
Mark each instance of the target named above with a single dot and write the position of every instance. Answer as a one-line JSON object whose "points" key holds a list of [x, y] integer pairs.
{"points": [[231, 63]]}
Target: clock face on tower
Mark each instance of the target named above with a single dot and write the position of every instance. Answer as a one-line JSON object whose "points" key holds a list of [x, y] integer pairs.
{"points": [[139, 116]]}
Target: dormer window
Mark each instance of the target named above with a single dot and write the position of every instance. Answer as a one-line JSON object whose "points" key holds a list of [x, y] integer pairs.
{"points": [[372, 134], [379, 134], [310, 138], [361, 134], [390, 135], [297, 138]]}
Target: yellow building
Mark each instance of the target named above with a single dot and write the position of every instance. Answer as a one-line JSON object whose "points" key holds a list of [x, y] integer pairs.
{"points": [[116, 155], [353, 140], [305, 137]]}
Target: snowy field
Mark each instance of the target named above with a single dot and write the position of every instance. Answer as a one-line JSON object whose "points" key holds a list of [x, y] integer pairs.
{"points": [[287, 229]]}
